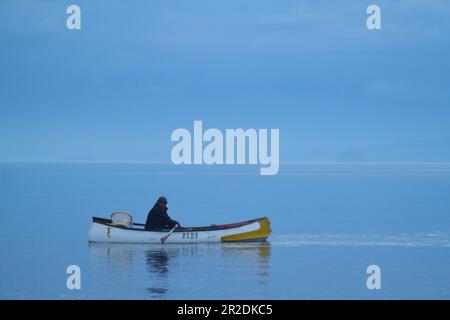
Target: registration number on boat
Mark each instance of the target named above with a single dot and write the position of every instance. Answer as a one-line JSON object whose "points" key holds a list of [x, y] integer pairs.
{"points": [[189, 235]]}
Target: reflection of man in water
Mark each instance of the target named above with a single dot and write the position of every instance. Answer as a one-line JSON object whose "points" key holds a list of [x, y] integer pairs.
{"points": [[158, 218], [157, 263]]}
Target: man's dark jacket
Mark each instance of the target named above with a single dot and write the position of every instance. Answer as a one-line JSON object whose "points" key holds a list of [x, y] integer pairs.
{"points": [[158, 219]]}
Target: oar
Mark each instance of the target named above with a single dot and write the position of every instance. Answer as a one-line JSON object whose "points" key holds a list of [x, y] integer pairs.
{"points": [[163, 239]]}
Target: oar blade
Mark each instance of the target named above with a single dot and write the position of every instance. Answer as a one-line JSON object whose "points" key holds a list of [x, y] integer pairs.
{"points": [[163, 239]]}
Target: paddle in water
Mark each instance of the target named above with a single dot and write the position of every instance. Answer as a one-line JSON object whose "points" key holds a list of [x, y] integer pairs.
{"points": [[163, 239]]}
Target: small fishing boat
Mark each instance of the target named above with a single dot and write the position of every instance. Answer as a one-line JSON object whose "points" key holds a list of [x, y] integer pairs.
{"points": [[121, 229]]}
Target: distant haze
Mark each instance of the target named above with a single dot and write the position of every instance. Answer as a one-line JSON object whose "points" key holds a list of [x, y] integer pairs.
{"points": [[117, 88]]}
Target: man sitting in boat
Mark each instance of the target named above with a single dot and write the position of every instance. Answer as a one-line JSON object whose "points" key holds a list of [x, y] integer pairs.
{"points": [[158, 218]]}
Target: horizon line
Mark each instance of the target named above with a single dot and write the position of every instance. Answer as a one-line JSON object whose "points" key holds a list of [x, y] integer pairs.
{"points": [[287, 162]]}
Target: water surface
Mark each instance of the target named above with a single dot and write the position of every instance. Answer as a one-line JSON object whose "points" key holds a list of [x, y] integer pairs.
{"points": [[329, 222]]}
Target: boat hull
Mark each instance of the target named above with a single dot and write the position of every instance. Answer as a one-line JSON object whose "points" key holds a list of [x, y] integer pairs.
{"points": [[248, 231]]}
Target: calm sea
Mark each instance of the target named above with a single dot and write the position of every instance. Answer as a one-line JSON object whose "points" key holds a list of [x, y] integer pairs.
{"points": [[330, 221]]}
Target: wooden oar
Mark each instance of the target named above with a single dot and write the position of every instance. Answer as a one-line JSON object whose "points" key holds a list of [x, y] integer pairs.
{"points": [[163, 239]]}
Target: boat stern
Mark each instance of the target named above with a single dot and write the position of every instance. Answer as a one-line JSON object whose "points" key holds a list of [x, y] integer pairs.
{"points": [[259, 234]]}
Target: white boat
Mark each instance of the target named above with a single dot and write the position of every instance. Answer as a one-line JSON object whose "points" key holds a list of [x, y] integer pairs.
{"points": [[108, 230]]}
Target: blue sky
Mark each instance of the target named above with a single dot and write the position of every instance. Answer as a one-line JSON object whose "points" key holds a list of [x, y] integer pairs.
{"points": [[117, 88]]}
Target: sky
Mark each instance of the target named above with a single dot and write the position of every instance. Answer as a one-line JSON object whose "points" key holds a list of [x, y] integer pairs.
{"points": [[116, 89]]}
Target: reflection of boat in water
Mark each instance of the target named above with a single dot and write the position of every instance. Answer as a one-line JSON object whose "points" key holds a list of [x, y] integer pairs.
{"points": [[260, 250], [189, 266], [104, 230], [252, 259], [122, 260]]}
